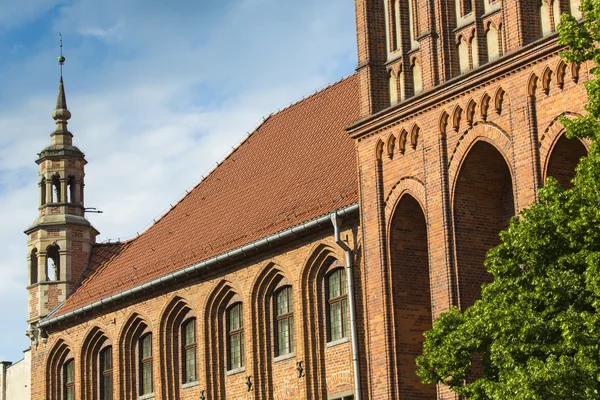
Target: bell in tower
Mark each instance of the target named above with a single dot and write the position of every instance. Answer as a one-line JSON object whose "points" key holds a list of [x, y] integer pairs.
{"points": [[60, 240]]}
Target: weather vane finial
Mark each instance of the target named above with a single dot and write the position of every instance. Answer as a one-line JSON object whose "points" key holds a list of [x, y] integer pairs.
{"points": [[61, 59]]}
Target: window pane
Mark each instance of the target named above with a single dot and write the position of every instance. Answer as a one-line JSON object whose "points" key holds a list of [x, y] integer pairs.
{"points": [[69, 373], [106, 387], [106, 359], [235, 351], [290, 299], [147, 346], [334, 284], [291, 330], [282, 302], [70, 393], [335, 321], [190, 332], [190, 365], [234, 320], [345, 319], [343, 282], [283, 336], [146, 378]]}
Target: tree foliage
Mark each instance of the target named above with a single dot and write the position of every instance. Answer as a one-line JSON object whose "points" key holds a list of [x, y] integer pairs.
{"points": [[535, 332]]}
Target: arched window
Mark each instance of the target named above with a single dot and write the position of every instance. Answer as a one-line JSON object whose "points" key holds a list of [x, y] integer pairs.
{"points": [[43, 191], [545, 19], [55, 189], [284, 321], [337, 299], [493, 43], [71, 190], [33, 267], [417, 78], [69, 380], [235, 333], [463, 55], [466, 6], [52, 263], [188, 333], [106, 374], [145, 364]]}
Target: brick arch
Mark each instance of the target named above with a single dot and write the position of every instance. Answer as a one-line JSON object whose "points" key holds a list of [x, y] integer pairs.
{"points": [[482, 203], [561, 70], [410, 291], [176, 311], [313, 303], [407, 185], [60, 352], [263, 288], [390, 145], [414, 135], [553, 144], [214, 336], [484, 105], [402, 140], [546, 79], [94, 340], [485, 131], [378, 151], [131, 332]]}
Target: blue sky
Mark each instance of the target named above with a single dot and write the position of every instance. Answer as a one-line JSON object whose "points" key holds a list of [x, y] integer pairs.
{"points": [[159, 91]]}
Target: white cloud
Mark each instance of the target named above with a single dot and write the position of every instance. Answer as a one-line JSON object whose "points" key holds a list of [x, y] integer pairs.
{"points": [[158, 94]]}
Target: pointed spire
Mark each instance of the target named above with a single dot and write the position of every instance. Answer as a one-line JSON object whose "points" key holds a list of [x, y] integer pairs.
{"points": [[61, 101]]}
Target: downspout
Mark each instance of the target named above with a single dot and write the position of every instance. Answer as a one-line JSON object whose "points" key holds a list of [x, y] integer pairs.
{"points": [[349, 275]]}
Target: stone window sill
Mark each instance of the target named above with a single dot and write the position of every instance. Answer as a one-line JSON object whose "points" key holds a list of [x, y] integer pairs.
{"points": [[337, 342], [146, 396], [285, 357], [189, 384], [236, 371]]}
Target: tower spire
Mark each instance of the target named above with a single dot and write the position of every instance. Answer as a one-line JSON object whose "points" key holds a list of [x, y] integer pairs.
{"points": [[61, 114]]}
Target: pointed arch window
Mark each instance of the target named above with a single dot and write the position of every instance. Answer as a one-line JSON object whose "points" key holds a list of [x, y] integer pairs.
{"points": [[69, 380], [71, 190], [189, 350], [235, 333], [284, 321], [106, 374], [337, 299], [145, 364]]}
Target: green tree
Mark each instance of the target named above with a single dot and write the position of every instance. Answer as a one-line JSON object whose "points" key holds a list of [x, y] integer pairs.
{"points": [[535, 332]]}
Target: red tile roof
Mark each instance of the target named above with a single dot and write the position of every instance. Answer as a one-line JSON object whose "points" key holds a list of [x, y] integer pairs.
{"points": [[298, 165]]}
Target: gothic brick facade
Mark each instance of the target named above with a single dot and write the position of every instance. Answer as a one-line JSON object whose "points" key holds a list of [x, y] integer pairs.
{"points": [[446, 131]]}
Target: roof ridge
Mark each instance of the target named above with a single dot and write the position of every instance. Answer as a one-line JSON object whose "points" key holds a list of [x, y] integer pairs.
{"points": [[224, 158]]}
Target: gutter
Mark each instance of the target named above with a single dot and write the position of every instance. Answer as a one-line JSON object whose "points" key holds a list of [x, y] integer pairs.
{"points": [[192, 269], [349, 276]]}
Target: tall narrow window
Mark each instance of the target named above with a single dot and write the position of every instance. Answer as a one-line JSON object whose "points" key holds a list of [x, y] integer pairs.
{"points": [[189, 350], [463, 55], [396, 24], [574, 5], [285, 321], [71, 190], [69, 380], [337, 298], [55, 189], [52, 263], [545, 19], [417, 78], [33, 267], [106, 376], [146, 384], [493, 44], [235, 330], [411, 25], [393, 88]]}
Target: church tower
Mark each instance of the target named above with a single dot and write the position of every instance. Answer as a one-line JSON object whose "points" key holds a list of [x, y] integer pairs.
{"points": [[60, 240]]}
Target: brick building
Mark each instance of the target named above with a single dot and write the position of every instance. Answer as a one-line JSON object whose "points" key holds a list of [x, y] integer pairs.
{"points": [[314, 273]]}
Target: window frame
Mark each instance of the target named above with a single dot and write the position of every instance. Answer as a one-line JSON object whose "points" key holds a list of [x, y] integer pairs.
{"points": [[286, 316], [66, 384], [235, 333], [185, 347], [105, 374], [144, 362], [340, 299]]}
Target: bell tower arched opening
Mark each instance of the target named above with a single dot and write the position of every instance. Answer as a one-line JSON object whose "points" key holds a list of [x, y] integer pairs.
{"points": [[52, 263], [483, 206], [412, 294]]}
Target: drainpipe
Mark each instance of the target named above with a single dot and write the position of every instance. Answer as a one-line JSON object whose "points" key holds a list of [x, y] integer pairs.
{"points": [[349, 275]]}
